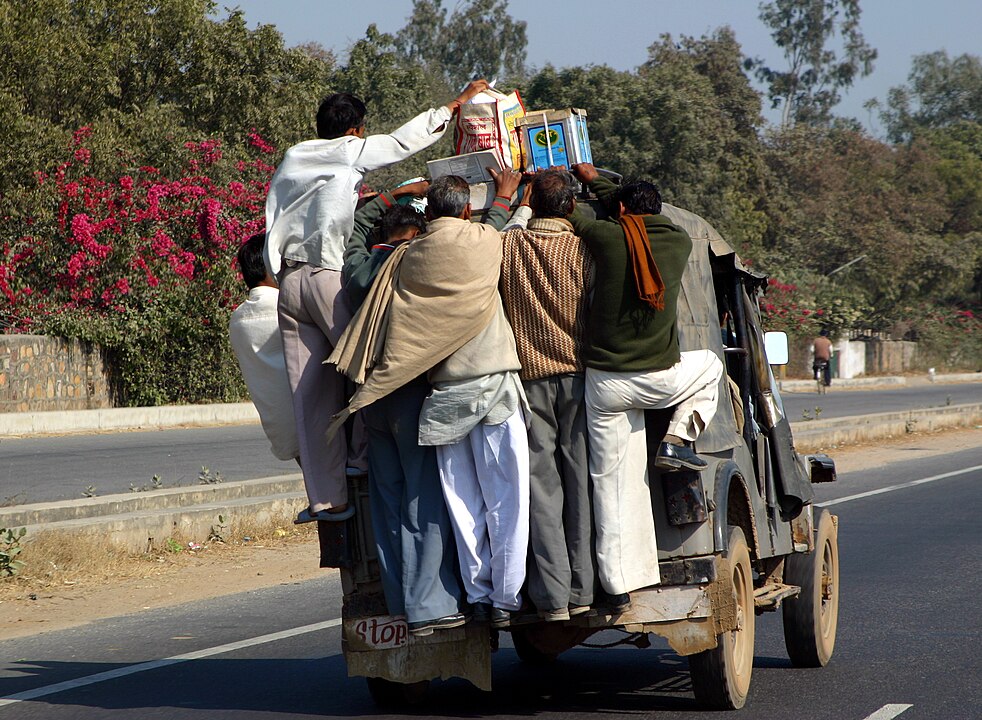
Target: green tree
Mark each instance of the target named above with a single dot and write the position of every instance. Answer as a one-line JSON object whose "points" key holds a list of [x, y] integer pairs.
{"points": [[113, 61], [687, 119], [837, 195], [478, 39], [804, 29], [940, 92]]}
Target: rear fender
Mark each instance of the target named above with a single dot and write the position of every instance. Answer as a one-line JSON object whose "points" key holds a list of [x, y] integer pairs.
{"points": [[732, 507]]}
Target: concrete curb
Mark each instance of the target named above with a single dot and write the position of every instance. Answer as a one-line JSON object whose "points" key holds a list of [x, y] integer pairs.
{"points": [[138, 418], [137, 521], [173, 416], [864, 382], [880, 381], [50, 513], [811, 435]]}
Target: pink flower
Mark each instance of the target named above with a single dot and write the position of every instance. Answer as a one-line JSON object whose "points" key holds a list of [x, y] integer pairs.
{"points": [[257, 141], [81, 135], [183, 264], [161, 244]]}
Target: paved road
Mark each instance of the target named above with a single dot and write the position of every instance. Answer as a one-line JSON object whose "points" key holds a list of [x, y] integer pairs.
{"points": [[840, 403], [59, 468], [909, 634]]}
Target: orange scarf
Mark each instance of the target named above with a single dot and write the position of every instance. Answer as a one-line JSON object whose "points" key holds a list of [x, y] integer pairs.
{"points": [[647, 278]]}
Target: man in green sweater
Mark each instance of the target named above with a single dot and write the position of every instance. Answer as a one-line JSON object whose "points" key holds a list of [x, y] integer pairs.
{"points": [[633, 363]]}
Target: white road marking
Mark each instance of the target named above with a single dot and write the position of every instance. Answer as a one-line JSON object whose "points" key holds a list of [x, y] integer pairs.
{"points": [[154, 664], [885, 713], [901, 486], [888, 711]]}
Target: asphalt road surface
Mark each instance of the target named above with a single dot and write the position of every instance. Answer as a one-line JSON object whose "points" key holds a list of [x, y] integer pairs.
{"points": [[840, 403], [61, 468], [909, 640], [42, 469]]}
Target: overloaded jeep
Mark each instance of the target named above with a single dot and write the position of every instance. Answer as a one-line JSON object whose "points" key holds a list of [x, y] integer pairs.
{"points": [[736, 540]]}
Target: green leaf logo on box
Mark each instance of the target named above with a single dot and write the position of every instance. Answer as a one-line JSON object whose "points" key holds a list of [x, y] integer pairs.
{"points": [[540, 138]]}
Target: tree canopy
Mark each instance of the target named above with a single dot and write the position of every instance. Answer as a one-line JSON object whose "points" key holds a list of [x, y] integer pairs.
{"points": [[809, 87], [135, 158]]}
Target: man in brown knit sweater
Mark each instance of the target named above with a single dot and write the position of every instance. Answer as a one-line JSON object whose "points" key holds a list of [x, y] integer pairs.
{"points": [[546, 277]]}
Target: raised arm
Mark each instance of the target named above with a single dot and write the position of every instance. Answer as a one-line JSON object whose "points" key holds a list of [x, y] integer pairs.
{"points": [[378, 151], [505, 186], [604, 189], [357, 251], [358, 271]]}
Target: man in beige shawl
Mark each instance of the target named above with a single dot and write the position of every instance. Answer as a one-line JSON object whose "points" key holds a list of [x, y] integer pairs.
{"points": [[438, 310]]}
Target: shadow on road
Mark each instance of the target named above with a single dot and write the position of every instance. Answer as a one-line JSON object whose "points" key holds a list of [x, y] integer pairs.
{"points": [[609, 682]]}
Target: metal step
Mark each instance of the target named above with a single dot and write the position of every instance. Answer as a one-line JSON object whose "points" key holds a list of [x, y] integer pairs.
{"points": [[769, 597]]}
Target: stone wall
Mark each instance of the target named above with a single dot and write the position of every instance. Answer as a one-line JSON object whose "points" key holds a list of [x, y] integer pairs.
{"points": [[40, 373], [856, 358]]}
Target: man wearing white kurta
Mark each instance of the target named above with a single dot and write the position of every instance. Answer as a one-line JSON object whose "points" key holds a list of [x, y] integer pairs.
{"points": [[254, 332], [309, 219]]}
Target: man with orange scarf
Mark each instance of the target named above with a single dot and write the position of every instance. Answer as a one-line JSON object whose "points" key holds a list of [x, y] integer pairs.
{"points": [[633, 363]]}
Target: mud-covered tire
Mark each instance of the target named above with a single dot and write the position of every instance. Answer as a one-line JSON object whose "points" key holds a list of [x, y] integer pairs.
{"points": [[811, 619], [721, 676], [528, 652], [394, 695]]}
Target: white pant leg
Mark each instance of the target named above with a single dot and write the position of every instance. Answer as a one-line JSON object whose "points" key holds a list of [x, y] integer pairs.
{"points": [[691, 385], [465, 502], [503, 472], [701, 371], [627, 550]]}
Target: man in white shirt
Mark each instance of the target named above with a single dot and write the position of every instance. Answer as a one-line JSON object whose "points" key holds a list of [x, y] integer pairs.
{"points": [[255, 335], [309, 219]]}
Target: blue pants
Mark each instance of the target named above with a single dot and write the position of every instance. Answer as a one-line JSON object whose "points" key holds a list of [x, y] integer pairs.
{"points": [[416, 550]]}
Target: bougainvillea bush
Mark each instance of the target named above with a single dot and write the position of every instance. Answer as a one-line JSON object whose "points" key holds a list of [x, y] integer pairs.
{"points": [[140, 262], [948, 338]]}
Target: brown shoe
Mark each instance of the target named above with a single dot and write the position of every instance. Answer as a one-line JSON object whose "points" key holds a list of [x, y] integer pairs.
{"points": [[555, 615]]}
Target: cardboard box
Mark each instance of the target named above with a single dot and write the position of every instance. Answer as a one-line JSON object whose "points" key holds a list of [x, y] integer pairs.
{"points": [[554, 137]]}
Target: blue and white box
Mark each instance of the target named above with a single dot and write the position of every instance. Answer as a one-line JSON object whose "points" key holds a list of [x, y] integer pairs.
{"points": [[554, 137]]}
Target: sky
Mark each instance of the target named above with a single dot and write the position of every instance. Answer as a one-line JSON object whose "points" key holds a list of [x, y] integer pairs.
{"points": [[618, 32]]}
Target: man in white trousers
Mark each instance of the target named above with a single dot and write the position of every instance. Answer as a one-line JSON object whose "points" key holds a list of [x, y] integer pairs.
{"points": [[633, 363], [475, 418]]}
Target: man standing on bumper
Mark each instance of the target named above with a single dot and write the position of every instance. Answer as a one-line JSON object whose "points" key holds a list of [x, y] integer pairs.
{"points": [[309, 219], [546, 279], [634, 364], [474, 416]]}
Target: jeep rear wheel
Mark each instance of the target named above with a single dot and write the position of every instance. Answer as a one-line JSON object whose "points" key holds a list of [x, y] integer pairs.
{"points": [[721, 676], [810, 620]]}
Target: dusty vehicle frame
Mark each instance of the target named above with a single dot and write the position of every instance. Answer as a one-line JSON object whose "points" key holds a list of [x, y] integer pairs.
{"points": [[735, 540]]}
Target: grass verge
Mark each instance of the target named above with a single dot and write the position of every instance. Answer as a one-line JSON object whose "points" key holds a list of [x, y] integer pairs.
{"points": [[71, 560]]}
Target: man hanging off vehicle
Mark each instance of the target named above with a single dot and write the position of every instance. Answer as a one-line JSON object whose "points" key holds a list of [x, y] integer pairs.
{"points": [[633, 363]]}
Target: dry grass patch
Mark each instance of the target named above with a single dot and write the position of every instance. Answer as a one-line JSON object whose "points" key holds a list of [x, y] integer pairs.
{"points": [[65, 560]]}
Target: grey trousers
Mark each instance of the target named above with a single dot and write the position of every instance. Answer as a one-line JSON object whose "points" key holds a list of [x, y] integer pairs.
{"points": [[417, 555], [313, 312], [562, 562]]}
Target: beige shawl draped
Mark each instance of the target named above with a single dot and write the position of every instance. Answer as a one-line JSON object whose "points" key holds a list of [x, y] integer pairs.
{"points": [[438, 294]]}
